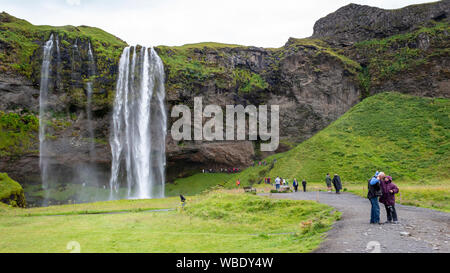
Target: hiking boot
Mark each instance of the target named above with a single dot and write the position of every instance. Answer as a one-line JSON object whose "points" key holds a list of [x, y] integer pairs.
{"points": [[388, 222], [396, 222]]}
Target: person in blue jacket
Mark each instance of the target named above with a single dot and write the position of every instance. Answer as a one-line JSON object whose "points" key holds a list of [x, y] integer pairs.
{"points": [[374, 192]]}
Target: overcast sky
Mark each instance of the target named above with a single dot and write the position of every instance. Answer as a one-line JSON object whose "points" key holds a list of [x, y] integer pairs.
{"points": [[175, 22]]}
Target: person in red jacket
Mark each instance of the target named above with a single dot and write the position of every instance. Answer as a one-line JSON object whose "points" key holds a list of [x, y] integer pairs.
{"points": [[389, 190], [238, 183]]}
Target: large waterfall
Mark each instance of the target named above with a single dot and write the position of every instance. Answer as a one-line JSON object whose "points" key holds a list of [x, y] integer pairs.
{"points": [[43, 102], [138, 130]]}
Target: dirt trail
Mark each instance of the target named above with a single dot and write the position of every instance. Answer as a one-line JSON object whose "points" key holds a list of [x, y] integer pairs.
{"points": [[420, 230]]}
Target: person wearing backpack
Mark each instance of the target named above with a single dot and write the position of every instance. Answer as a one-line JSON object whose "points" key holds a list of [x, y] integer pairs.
{"points": [[374, 192], [389, 190], [304, 185], [337, 183]]}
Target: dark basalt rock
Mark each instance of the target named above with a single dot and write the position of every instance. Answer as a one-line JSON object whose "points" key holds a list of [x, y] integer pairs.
{"points": [[354, 23]]}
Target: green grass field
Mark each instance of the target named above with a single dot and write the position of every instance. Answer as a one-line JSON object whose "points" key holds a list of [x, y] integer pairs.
{"points": [[214, 222], [197, 183]]}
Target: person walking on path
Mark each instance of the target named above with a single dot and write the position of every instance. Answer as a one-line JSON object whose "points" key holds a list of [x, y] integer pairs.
{"points": [[277, 183], [387, 198], [295, 184], [328, 181], [374, 192], [337, 183], [304, 185], [238, 183]]}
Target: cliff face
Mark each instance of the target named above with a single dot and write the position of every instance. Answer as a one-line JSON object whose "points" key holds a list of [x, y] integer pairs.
{"points": [[355, 23], [314, 80]]}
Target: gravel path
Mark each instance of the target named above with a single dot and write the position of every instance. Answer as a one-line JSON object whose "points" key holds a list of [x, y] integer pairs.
{"points": [[420, 230]]}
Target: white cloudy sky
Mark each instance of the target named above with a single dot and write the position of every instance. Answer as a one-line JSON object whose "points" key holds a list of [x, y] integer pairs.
{"points": [[175, 22]]}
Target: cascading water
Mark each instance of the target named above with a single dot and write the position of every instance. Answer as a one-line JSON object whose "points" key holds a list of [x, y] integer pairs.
{"points": [[139, 125], [43, 101], [91, 74]]}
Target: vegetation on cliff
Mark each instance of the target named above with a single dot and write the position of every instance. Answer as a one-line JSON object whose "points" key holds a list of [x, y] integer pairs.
{"points": [[11, 192], [386, 58], [18, 133], [190, 65], [19, 40]]}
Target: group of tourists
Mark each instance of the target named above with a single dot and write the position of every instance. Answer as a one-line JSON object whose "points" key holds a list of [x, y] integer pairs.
{"points": [[382, 190], [283, 182], [222, 170], [336, 181]]}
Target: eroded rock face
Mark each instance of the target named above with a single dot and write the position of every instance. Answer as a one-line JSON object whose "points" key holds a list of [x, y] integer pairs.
{"points": [[354, 23]]}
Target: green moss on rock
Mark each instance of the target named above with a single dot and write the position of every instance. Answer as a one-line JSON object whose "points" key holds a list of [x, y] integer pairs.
{"points": [[11, 192]]}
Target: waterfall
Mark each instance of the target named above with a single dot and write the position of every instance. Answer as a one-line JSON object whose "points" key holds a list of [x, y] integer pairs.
{"points": [[139, 125], [43, 101], [89, 83]]}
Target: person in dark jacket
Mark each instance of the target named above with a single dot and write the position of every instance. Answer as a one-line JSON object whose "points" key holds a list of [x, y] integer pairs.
{"points": [[304, 185], [374, 191], [295, 184], [337, 183], [328, 181], [387, 198]]}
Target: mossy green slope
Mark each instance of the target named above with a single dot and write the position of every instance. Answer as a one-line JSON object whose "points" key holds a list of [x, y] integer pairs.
{"points": [[11, 192], [405, 136]]}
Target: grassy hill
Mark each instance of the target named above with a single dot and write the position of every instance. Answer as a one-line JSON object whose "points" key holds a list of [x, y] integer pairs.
{"points": [[405, 136]]}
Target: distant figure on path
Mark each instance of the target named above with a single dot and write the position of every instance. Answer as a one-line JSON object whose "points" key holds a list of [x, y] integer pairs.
{"points": [[304, 185], [277, 183], [328, 181], [295, 184], [337, 183], [374, 191], [238, 183], [389, 190]]}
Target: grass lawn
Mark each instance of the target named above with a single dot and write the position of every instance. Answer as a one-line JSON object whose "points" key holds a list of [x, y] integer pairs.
{"points": [[197, 183], [215, 222]]}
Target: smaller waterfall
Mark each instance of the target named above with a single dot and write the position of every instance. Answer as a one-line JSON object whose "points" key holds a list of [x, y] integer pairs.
{"points": [[58, 65], [43, 102], [89, 84], [139, 125]]}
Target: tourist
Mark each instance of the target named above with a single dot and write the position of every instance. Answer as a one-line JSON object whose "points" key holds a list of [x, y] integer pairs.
{"points": [[284, 182], [238, 183], [304, 185], [295, 184], [374, 191], [388, 190], [328, 181], [337, 183], [268, 180], [277, 183]]}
